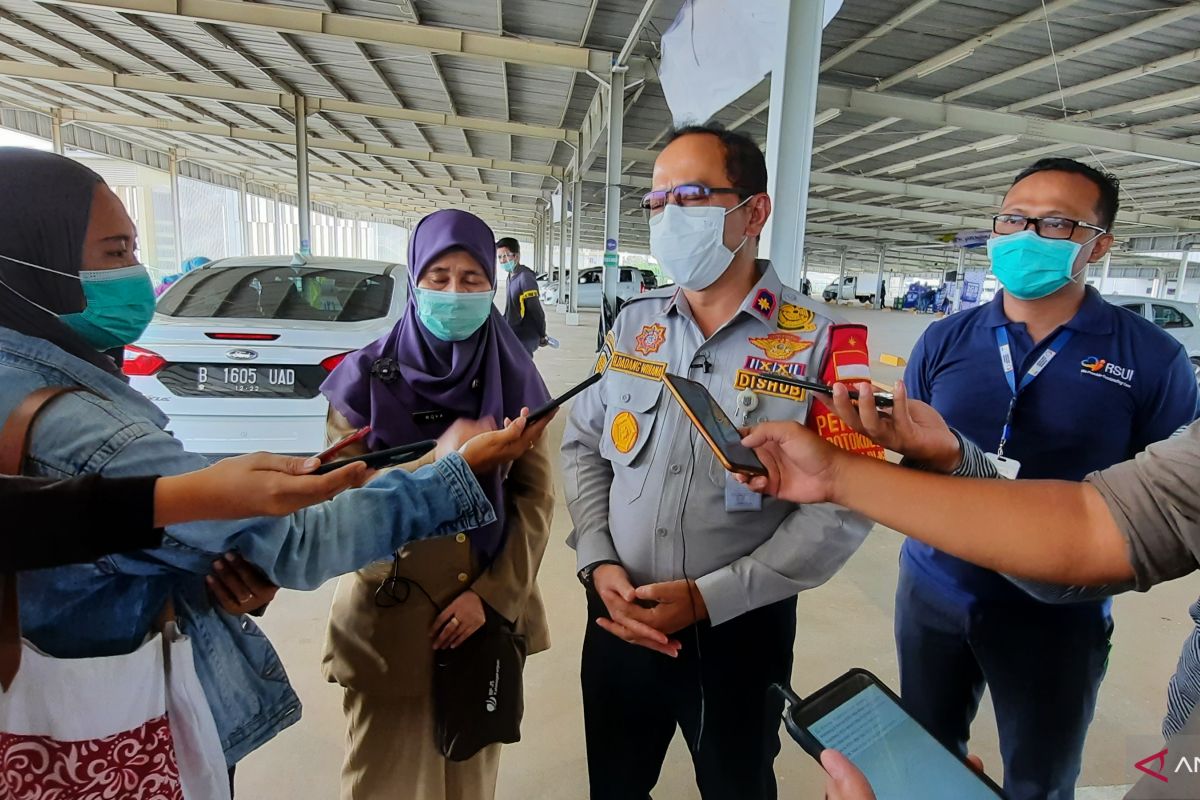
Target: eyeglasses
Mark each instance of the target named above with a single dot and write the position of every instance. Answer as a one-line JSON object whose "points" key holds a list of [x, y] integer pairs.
{"points": [[685, 194], [1045, 227]]}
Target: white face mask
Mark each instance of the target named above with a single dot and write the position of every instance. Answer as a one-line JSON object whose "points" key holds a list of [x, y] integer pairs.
{"points": [[689, 243]]}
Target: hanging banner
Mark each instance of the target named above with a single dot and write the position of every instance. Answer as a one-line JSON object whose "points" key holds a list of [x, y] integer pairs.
{"points": [[556, 204], [717, 50], [969, 240], [972, 288]]}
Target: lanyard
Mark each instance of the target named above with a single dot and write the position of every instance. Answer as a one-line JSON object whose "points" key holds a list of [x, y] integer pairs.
{"points": [[1038, 367]]}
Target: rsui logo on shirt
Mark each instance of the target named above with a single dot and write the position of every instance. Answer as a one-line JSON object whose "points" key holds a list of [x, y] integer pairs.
{"points": [[1107, 370]]}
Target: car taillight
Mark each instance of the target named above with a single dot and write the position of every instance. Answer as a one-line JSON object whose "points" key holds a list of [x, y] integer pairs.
{"points": [[142, 363], [330, 364]]}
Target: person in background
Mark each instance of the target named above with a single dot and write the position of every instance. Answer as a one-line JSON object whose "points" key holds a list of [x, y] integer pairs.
{"points": [[523, 307], [71, 287], [130, 513], [449, 365], [188, 266], [691, 582], [1033, 377]]}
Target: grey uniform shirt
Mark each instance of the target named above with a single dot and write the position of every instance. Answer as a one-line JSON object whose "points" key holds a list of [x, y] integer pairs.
{"points": [[643, 488]]}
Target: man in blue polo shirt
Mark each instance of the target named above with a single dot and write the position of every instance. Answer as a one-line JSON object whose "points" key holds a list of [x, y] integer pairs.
{"points": [[1055, 383]]}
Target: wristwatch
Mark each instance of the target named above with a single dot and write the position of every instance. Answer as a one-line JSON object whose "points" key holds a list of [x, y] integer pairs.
{"points": [[587, 575]]}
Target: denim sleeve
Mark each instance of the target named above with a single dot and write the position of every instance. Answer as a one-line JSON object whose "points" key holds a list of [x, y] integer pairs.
{"points": [[305, 549]]}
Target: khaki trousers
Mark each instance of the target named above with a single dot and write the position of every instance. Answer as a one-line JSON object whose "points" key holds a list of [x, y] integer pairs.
{"points": [[391, 754]]}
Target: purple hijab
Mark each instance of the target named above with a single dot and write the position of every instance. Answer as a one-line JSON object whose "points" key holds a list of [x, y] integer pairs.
{"points": [[411, 385]]}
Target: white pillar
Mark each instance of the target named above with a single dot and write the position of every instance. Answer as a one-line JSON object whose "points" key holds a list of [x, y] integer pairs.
{"points": [[1104, 272], [539, 238], [56, 130], [303, 197], [562, 240], [962, 280], [281, 242], [244, 216], [1181, 278], [790, 137], [176, 224], [612, 193], [841, 276], [573, 273], [878, 304]]}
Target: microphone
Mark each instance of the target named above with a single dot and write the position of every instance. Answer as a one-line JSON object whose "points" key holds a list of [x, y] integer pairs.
{"points": [[702, 362]]}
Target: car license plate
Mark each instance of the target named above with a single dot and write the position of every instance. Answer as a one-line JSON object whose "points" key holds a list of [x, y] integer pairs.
{"points": [[246, 380], [237, 380]]}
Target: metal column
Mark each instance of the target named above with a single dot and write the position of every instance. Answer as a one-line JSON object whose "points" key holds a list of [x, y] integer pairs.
{"points": [[244, 216], [550, 240], [573, 273], [790, 137], [841, 276], [875, 290], [56, 130], [549, 244], [303, 197], [562, 241], [540, 250], [961, 283], [1181, 279], [1104, 272], [612, 192], [280, 232], [176, 224]]}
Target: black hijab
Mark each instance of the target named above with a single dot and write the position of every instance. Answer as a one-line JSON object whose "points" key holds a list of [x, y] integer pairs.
{"points": [[45, 202]]}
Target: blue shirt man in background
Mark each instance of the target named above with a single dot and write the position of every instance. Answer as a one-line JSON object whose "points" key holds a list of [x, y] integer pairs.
{"points": [[1054, 382]]}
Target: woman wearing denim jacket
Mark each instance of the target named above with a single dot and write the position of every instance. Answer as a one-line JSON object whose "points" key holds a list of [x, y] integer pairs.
{"points": [[70, 289], [450, 361]]}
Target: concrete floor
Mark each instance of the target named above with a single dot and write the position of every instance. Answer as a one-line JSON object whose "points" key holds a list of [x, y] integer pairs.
{"points": [[846, 623]]}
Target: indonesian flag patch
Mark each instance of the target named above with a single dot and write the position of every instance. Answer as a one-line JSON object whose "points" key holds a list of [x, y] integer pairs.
{"points": [[846, 361]]}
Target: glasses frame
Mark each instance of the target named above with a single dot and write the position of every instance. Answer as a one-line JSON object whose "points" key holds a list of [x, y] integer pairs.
{"points": [[706, 194], [1076, 224]]}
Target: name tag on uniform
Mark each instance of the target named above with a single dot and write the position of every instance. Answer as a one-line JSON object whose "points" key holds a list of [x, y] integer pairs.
{"points": [[1007, 467], [739, 497], [430, 417]]}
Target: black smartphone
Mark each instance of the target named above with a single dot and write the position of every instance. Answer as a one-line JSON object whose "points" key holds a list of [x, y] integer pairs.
{"points": [[882, 399], [861, 718], [714, 425], [383, 458], [534, 416]]}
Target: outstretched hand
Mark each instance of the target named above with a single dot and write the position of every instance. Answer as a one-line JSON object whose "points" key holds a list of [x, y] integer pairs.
{"points": [[913, 429], [801, 466]]}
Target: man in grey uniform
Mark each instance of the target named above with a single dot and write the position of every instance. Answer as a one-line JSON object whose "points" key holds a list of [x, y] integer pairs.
{"points": [[692, 579]]}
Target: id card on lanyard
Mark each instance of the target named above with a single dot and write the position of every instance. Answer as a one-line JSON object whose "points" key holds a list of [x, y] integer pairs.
{"points": [[1007, 467]]}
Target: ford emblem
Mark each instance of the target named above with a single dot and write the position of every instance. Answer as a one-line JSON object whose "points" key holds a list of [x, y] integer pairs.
{"points": [[243, 354]]}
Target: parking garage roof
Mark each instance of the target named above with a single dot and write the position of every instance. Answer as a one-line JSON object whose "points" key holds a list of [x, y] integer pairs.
{"points": [[926, 108]]}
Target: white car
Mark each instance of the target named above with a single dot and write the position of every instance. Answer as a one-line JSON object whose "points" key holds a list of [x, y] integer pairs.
{"points": [[238, 349], [1176, 318], [590, 286]]}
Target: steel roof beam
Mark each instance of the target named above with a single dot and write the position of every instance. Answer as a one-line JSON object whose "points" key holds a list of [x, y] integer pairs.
{"points": [[338, 145], [980, 199], [207, 91], [368, 30], [933, 112], [443, 183]]}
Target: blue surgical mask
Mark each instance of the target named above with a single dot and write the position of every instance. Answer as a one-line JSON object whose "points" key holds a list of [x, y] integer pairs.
{"points": [[120, 304], [453, 316], [508, 266], [1031, 267]]}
